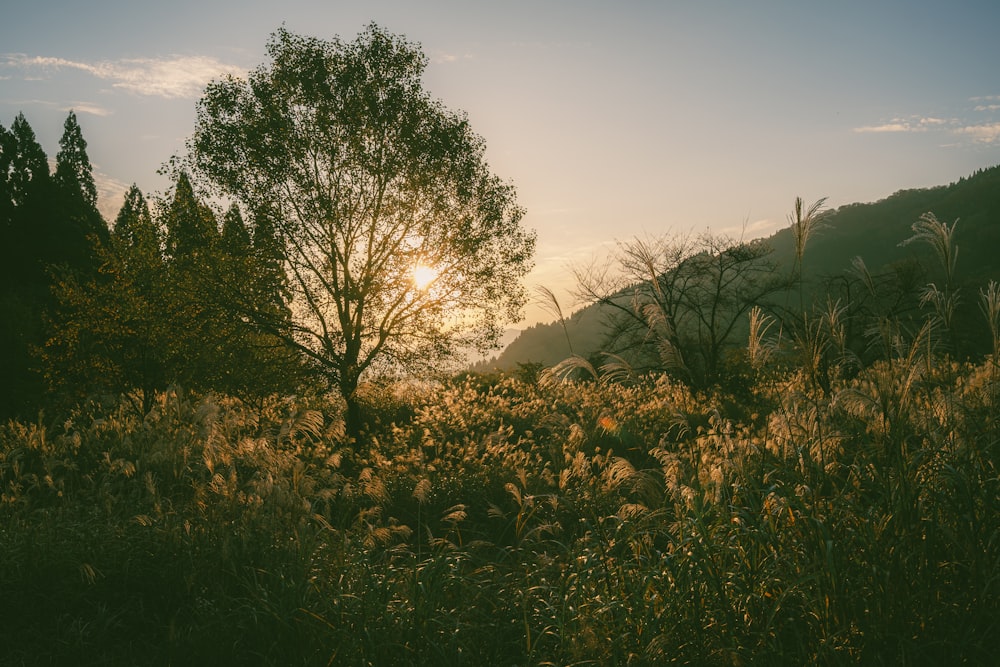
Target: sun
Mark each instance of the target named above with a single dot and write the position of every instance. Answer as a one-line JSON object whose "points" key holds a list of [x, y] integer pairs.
{"points": [[423, 276]]}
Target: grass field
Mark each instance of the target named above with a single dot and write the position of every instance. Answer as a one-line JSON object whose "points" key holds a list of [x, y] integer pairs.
{"points": [[493, 521]]}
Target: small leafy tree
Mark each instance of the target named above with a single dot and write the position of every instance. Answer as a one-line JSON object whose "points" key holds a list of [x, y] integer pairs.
{"points": [[399, 244], [108, 334]]}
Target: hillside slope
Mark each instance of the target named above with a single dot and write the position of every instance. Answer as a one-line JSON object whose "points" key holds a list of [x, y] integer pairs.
{"points": [[872, 231]]}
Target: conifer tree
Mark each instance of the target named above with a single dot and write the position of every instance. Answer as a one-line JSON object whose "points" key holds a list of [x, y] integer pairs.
{"points": [[29, 170], [74, 173], [30, 189], [135, 236], [235, 235], [253, 362], [77, 223], [191, 234], [191, 228], [8, 146], [26, 258]]}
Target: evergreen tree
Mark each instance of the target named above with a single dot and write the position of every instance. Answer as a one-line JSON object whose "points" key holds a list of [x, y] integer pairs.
{"points": [[136, 238], [8, 147], [31, 230], [190, 225], [74, 173], [26, 256], [270, 277], [191, 234], [29, 170], [256, 362], [235, 235], [78, 224]]}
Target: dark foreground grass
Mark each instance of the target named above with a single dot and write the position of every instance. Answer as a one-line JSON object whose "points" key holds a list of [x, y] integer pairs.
{"points": [[510, 524]]}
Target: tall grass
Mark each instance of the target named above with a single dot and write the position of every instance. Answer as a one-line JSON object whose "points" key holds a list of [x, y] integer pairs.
{"points": [[566, 523]]}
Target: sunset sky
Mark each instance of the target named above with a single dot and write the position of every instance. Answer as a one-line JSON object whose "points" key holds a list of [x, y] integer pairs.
{"points": [[612, 119]]}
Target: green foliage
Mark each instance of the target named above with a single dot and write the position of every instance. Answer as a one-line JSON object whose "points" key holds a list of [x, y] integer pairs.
{"points": [[363, 177], [150, 319]]}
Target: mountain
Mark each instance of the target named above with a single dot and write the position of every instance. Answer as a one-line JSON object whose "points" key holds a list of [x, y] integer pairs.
{"points": [[872, 231]]}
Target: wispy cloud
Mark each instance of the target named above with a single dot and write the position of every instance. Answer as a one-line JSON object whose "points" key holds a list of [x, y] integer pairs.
{"points": [[110, 195], [982, 129], [442, 58], [910, 124], [170, 77], [88, 108], [886, 127], [987, 133]]}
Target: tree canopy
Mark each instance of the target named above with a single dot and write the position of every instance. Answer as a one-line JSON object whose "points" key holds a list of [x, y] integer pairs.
{"points": [[399, 245]]}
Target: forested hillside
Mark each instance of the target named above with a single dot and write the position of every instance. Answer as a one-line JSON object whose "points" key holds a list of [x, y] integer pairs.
{"points": [[875, 232]]}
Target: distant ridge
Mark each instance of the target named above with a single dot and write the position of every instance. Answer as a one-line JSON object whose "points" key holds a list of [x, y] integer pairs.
{"points": [[872, 231]]}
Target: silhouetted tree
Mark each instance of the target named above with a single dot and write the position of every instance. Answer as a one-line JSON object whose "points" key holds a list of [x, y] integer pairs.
{"points": [[364, 177], [26, 256], [677, 302], [78, 224]]}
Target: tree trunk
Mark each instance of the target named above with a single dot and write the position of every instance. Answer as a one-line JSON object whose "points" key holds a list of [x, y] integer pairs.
{"points": [[353, 416]]}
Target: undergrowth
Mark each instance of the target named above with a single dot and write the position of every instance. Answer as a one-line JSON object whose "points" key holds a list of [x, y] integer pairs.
{"points": [[507, 523]]}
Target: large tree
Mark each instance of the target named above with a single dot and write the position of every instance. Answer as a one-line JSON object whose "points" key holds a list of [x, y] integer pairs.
{"points": [[400, 245]]}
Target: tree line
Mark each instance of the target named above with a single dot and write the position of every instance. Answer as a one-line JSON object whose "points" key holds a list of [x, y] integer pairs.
{"points": [[287, 251], [90, 310]]}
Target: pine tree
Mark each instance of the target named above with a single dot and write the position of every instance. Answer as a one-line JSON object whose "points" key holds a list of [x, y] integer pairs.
{"points": [[270, 278], [78, 224], [74, 173], [29, 170], [136, 240], [29, 186], [235, 235], [190, 225], [255, 362], [8, 147], [26, 257]]}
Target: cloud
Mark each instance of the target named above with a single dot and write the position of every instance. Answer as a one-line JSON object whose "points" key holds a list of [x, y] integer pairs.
{"points": [[984, 129], [887, 127], [110, 195], [442, 58], [171, 77], [911, 124], [88, 108], [986, 133]]}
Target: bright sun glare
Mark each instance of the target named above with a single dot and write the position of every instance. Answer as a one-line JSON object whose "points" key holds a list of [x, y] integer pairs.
{"points": [[423, 275]]}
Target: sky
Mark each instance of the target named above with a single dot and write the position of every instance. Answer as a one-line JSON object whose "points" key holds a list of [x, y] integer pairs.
{"points": [[613, 120]]}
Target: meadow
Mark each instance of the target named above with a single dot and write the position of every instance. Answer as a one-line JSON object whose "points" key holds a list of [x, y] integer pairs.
{"points": [[512, 520]]}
